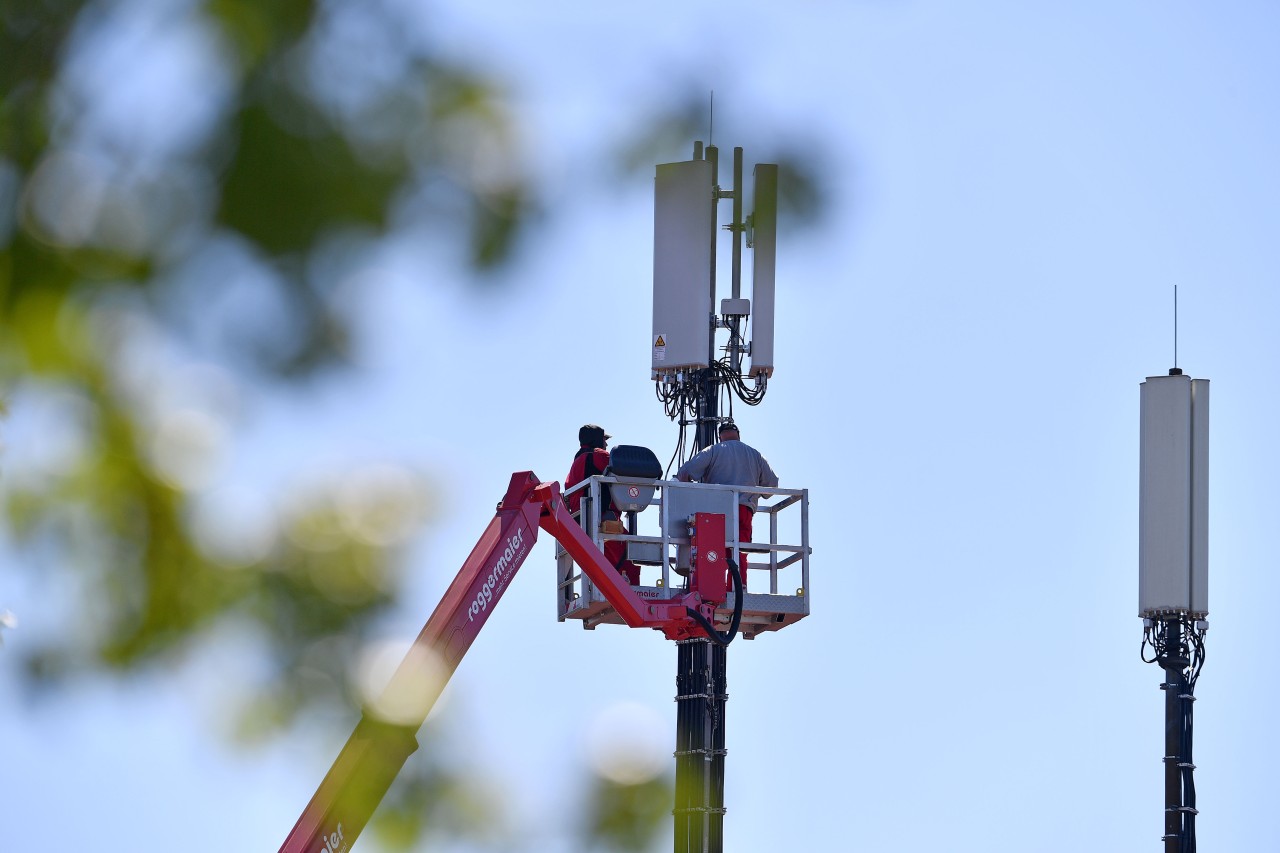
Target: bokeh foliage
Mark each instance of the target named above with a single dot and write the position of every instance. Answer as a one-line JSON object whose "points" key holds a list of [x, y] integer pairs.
{"points": [[625, 817], [303, 128], [98, 221]]}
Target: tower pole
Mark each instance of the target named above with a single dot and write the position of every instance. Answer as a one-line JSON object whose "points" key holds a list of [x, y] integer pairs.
{"points": [[1173, 566], [700, 697], [1179, 785], [701, 665], [1173, 683]]}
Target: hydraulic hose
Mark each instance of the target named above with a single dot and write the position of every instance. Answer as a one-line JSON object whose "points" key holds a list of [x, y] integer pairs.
{"points": [[727, 637]]}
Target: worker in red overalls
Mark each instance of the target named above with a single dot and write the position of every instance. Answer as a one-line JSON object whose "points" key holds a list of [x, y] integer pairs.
{"points": [[592, 458]]}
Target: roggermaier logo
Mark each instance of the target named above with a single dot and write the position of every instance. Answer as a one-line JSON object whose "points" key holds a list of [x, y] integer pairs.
{"points": [[496, 575], [333, 843]]}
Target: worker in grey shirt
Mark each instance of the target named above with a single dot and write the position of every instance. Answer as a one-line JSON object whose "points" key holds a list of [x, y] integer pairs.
{"points": [[732, 463]]}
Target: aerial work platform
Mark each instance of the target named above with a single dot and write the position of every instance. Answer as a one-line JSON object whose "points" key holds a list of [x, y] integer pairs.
{"points": [[776, 563]]}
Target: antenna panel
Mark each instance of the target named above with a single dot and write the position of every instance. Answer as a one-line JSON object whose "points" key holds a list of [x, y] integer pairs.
{"points": [[1200, 496], [764, 243], [683, 234], [1173, 496]]}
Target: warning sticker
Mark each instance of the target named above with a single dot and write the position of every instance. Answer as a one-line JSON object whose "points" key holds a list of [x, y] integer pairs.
{"points": [[659, 347]]}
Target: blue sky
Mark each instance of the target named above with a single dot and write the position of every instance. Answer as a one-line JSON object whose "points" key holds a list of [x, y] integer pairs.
{"points": [[1016, 189]]}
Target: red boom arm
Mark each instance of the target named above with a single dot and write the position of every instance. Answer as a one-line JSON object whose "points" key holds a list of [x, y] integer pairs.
{"points": [[377, 749]]}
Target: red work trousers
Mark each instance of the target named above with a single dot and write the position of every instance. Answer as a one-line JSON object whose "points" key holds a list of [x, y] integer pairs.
{"points": [[745, 514], [616, 553]]}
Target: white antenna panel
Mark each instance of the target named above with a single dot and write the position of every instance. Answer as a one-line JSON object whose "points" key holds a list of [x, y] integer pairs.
{"points": [[764, 245], [1173, 497], [683, 234]]}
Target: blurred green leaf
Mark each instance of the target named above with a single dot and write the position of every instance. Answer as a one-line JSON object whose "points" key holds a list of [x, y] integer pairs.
{"points": [[282, 190], [430, 799], [287, 174], [627, 818]]}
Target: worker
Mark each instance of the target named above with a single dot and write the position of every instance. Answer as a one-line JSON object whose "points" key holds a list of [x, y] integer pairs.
{"points": [[591, 459], [733, 463]]}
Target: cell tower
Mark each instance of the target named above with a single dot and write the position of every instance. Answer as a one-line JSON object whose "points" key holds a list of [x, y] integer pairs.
{"points": [[690, 380], [671, 579], [1173, 573], [698, 533]]}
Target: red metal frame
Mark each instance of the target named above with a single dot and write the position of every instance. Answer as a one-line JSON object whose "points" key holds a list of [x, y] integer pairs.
{"points": [[376, 750]]}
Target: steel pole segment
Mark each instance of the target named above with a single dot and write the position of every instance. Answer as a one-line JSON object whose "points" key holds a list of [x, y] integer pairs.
{"points": [[715, 761], [700, 746], [1172, 756], [1179, 810], [707, 407], [691, 691]]}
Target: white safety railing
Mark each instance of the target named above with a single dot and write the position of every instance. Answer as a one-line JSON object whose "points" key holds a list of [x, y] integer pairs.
{"points": [[658, 542]]}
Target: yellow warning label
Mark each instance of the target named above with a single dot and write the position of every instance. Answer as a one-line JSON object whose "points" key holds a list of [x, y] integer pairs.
{"points": [[660, 342]]}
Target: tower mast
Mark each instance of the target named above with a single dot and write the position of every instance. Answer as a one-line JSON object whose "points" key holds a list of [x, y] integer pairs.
{"points": [[1173, 584], [686, 232]]}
